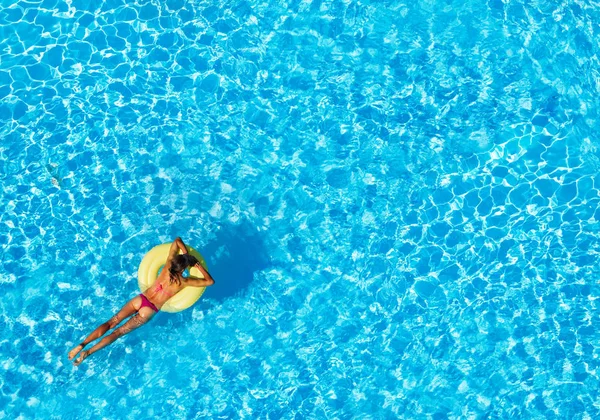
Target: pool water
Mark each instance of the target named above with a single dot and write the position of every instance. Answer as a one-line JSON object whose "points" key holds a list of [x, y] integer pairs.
{"points": [[398, 202]]}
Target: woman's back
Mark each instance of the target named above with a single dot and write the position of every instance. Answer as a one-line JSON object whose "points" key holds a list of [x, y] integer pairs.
{"points": [[171, 281], [163, 288]]}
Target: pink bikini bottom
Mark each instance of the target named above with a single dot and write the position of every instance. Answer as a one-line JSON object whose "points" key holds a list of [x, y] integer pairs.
{"points": [[146, 302]]}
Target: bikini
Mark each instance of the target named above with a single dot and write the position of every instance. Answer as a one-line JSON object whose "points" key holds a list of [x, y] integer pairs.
{"points": [[146, 302]]}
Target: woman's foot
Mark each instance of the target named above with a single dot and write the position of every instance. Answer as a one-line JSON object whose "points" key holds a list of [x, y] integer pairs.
{"points": [[75, 350], [81, 358]]}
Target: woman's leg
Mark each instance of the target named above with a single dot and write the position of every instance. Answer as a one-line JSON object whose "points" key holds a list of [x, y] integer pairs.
{"points": [[128, 309], [144, 315]]}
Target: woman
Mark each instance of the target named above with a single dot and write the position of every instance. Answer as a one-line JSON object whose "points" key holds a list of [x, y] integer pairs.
{"points": [[145, 305]]}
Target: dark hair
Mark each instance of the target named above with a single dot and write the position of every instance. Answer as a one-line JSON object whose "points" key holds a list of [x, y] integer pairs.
{"points": [[180, 263]]}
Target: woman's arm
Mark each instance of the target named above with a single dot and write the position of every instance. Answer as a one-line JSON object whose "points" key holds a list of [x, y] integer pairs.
{"points": [[175, 247], [198, 282], [181, 245]]}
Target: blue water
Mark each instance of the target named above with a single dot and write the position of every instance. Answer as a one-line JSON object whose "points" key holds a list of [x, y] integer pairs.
{"points": [[398, 202]]}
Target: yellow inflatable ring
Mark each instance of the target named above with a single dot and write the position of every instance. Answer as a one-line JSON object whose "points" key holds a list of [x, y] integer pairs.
{"points": [[153, 261]]}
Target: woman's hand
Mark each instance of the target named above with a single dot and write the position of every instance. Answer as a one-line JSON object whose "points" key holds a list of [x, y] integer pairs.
{"points": [[205, 273]]}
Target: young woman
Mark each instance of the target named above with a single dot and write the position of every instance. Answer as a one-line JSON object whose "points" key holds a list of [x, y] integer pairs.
{"points": [[145, 305]]}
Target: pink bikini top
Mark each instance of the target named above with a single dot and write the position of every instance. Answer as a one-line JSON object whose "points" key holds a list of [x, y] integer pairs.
{"points": [[159, 288]]}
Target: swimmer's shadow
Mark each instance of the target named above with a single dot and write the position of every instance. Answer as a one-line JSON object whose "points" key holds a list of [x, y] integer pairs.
{"points": [[236, 253]]}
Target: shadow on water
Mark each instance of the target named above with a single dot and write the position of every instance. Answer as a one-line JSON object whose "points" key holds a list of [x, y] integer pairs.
{"points": [[236, 253]]}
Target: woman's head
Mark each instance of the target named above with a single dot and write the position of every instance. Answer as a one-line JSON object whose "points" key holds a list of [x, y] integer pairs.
{"points": [[179, 264]]}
